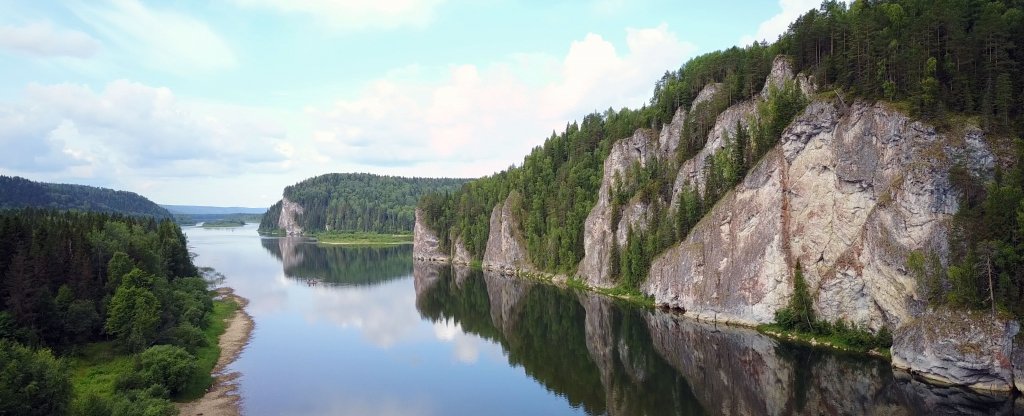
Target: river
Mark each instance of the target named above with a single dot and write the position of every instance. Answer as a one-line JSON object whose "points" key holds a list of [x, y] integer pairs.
{"points": [[368, 331]]}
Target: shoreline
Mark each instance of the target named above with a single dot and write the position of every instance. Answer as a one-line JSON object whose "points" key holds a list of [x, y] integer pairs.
{"points": [[222, 397]]}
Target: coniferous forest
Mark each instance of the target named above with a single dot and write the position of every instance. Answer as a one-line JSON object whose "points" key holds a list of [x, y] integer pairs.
{"points": [[950, 63], [81, 286], [358, 202], [16, 192]]}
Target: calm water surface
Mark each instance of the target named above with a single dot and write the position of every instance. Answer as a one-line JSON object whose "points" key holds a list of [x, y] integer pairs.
{"points": [[382, 335]]}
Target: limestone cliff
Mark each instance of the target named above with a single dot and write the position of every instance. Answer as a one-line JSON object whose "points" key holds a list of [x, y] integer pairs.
{"points": [[848, 195], [288, 221], [506, 251], [960, 348], [425, 243]]}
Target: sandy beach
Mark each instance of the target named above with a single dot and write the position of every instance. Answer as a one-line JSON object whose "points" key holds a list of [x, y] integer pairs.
{"points": [[222, 397]]}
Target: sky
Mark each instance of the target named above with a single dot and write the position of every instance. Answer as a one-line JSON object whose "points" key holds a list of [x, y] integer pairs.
{"points": [[227, 102]]}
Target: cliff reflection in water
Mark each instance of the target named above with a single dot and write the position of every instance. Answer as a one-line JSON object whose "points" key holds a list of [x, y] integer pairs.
{"points": [[611, 358], [304, 259]]}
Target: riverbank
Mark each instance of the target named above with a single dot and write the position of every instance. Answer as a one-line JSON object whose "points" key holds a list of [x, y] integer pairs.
{"points": [[222, 396], [363, 239]]}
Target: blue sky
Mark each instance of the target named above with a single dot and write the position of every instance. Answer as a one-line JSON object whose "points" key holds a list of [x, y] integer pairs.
{"points": [[227, 102]]}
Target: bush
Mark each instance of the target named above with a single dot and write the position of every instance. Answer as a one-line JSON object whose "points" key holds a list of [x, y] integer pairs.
{"points": [[166, 365], [32, 382], [186, 336]]}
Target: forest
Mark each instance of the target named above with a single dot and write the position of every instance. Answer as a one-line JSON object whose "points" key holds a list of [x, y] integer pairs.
{"points": [[946, 62], [17, 192], [100, 314], [357, 202]]}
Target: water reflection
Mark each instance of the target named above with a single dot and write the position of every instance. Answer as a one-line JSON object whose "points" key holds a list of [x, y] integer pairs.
{"points": [[611, 358], [304, 259]]}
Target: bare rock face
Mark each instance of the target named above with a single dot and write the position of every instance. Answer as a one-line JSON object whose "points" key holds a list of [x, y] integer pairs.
{"points": [[692, 172], [288, 221], [732, 267], [461, 255], [849, 196], [668, 140], [506, 251], [425, 243], [962, 348], [598, 233]]}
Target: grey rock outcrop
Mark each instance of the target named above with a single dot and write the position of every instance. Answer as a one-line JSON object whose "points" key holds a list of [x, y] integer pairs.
{"points": [[506, 251], [848, 195], [288, 221], [598, 232], [461, 256], [425, 243], [961, 348]]}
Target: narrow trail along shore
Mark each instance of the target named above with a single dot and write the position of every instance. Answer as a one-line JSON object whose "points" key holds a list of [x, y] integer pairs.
{"points": [[222, 397]]}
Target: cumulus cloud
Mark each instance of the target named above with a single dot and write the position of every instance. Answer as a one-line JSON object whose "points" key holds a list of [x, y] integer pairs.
{"points": [[355, 14], [487, 117], [771, 29], [42, 39], [164, 40], [132, 127]]}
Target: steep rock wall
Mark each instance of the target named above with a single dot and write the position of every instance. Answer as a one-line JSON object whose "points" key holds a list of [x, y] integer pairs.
{"points": [[506, 251], [425, 243], [288, 221], [599, 230], [971, 349], [848, 195]]}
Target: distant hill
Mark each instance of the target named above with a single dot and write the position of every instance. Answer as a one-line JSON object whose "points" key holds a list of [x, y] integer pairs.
{"points": [[204, 210], [353, 202], [17, 192]]}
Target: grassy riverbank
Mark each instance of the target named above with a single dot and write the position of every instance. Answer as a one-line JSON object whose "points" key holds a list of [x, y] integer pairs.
{"points": [[363, 239], [97, 367]]}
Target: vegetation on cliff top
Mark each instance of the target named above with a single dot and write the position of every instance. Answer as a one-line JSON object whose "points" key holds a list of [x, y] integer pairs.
{"points": [[357, 202], [933, 58]]}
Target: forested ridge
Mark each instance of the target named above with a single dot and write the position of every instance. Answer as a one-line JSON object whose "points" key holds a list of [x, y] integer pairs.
{"points": [[949, 63], [357, 202], [72, 283], [17, 192]]}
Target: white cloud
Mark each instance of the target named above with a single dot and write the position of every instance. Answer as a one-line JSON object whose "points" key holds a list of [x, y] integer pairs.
{"points": [[133, 129], [480, 119], [164, 40], [42, 39], [771, 29], [356, 14]]}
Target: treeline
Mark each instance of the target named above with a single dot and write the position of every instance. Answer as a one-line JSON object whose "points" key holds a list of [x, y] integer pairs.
{"points": [[358, 202], [17, 192], [561, 178], [74, 281], [935, 59]]}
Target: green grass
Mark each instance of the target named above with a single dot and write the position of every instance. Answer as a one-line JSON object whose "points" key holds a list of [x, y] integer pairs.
{"points": [[207, 356], [97, 366], [363, 239], [223, 224], [852, 340], [628, 294]]}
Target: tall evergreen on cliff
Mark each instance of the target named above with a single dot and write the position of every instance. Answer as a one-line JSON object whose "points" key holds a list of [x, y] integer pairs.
{"points": [[357, 202]]}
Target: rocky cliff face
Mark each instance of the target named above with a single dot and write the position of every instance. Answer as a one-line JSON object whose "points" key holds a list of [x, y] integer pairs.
{"points": [[506, 251], [848, 195], [288, 221], [425, 243], [971, 349]]}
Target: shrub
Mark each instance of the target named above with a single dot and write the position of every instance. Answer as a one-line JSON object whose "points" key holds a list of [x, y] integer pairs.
{"points": [[166, 365]]}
